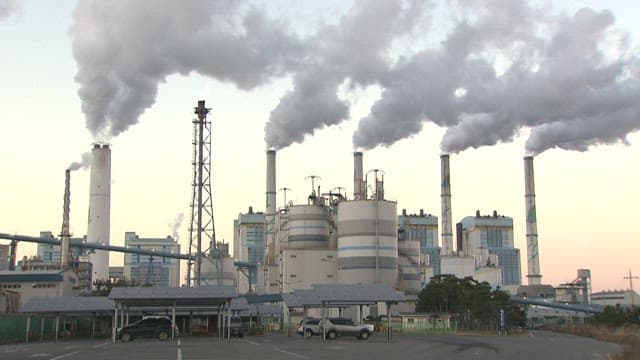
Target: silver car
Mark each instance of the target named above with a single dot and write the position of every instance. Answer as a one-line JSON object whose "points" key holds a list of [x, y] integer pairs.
{"points": [[309, 327], [335, 327]]}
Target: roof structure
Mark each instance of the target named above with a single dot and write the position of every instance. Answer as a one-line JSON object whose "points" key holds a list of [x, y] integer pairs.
{"points": [[342, 295], [68, 305], [31, 276], [170, 296]]}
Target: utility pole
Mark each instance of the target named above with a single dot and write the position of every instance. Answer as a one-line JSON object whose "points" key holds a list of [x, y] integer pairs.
{"points": [[631, 277]]}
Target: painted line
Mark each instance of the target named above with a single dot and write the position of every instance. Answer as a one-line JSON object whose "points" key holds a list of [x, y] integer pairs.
{"points": [[100, 345], [65, 355], [292, 354], [179, 354], [178, 342], [531, 334], [251, 342]]}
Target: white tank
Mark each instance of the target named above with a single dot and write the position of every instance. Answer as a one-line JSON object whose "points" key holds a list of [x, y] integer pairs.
{"points": [[308, 227], [219, 271], [409, 265], [367, 242], [100, 209]]}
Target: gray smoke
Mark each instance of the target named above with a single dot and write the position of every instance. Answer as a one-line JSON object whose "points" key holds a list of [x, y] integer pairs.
{"points": [[8, 8], [561, 81], [84, 163], [353, 51], [124, 49]]}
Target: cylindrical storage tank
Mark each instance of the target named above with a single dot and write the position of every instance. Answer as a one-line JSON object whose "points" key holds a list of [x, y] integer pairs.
{"points": [[308, 227], [367, 242], [409, 265]]}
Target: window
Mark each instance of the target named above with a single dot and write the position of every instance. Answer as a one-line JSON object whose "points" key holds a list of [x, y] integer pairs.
{"points": [[330, 276], [293, 275]]}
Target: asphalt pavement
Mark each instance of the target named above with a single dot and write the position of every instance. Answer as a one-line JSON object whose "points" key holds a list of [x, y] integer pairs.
{"points": [[538, 345]]}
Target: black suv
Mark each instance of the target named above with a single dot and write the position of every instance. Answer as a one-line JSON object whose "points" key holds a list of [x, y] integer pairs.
{"points": [[149, 327]]}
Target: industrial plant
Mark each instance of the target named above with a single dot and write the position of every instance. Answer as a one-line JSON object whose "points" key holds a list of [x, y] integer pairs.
{"points": [[334, 238]]}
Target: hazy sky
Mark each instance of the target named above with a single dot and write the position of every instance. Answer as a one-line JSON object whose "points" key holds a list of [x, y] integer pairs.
{"points": [[313, 74]]}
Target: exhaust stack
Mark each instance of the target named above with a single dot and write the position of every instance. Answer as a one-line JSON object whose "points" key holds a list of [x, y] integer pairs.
{"points": [[100, 209], [357, 176], [445, 197], [270, 216], [533, 258], [64, 233]]}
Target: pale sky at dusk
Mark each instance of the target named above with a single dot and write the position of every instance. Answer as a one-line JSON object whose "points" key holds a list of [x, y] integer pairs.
{"points": [[311, 73]]}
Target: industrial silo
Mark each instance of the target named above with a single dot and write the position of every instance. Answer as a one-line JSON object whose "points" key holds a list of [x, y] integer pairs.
{"points": [[308, 226], [367, 242], [409, 264]]}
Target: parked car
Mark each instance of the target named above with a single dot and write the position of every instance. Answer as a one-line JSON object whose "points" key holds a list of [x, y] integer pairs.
{"points": [[335, 327], [309, 327], [237, 329], [149, 327]]}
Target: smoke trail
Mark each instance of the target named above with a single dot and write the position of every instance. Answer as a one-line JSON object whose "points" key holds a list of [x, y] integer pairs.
{"points": [[570, 78], [84, 163], [355, 51], [124, 49], [175, 226], [8, 8]]}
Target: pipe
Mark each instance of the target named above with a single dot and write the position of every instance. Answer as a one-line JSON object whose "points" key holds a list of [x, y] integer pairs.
{"points": [[533, 257], [100, 209], [445, 197], [357, 176]]}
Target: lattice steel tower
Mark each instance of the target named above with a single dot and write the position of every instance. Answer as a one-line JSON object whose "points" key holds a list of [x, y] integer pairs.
{"points": [[202, 225]]}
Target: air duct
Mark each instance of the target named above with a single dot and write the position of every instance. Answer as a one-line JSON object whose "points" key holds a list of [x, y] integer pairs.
{"points": [[533, 258], [357, 176], [445, 197], [100, 209], [270, 216]]}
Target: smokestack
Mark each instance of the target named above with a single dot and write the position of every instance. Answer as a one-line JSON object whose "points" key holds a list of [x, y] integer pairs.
{"points": [[357, 176], [270, 216], [533, 258], [445, 197], [64, 234], [100, 209]]}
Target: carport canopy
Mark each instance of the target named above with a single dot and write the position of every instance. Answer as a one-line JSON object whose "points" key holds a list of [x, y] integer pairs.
{"points": [[173, 296], [68, 305], [343, 295]]}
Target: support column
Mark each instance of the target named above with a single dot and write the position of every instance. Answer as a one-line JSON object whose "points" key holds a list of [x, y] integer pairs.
{"points": [[114, 323], [28, 326], [173, 321], [324, 332], [289, 326], [388, 322], [57, 326], [41, 328], [229, 321]]}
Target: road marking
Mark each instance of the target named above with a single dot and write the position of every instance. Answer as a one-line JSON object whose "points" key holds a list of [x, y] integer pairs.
{"points": [[179, 354], [39, 355], [100, 345], [531, 334], [251, 342], [178, 342], [65, 355], [292, 353]]}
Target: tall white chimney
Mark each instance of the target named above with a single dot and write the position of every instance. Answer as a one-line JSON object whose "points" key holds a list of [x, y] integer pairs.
{"points": [[100, 209], [64, 234], [357, 176], [270, 216], [445, 198], [533, 257]]}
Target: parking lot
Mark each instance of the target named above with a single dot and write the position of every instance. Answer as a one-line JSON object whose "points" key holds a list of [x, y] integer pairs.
{"points": [[539, 345]]}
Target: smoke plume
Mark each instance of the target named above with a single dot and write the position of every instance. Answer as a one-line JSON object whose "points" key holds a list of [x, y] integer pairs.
{"points": [[353, 51], [8, 8], [569, 78], [175, 226], [124, 49], [84, 163]]}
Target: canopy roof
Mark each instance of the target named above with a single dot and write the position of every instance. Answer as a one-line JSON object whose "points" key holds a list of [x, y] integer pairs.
{"points": [[68, 305], [169, 296]]}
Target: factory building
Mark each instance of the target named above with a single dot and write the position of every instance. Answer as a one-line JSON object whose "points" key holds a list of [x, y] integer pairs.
{"points": [[26, 285], [5, 254], [248, 247], [151, 270], [422, 228], [625, 298], [489, 238]]}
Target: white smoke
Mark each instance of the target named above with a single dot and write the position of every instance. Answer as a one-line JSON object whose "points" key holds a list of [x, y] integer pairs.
{"points": [[84, 163], [8, 8], [124, 49], [353, 51], [561, 80], [175, 226]]}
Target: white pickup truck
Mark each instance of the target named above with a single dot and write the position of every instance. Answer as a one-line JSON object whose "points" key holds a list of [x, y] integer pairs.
{"points": [[335, 327]]}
